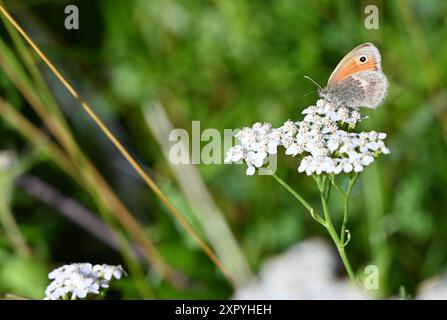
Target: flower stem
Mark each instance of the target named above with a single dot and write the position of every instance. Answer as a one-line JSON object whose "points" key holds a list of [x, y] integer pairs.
{"points": [[324, 185], [347, 194], [325, 188], [312, 212]]}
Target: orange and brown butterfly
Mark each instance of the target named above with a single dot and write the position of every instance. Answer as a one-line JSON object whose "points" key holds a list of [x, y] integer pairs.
{"points": [[358, 80]]}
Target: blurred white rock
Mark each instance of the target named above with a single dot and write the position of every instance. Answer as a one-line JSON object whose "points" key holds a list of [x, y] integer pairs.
{"points": [[305, 271]]}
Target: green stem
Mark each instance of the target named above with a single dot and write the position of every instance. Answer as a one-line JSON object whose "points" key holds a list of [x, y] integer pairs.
{"points": [[321, 183], [324, 185], [332, 178], [343, 231], [309, 208]]}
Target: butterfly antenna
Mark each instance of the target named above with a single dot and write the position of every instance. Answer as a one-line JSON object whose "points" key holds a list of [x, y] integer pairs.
{"points": [[309, 78], [309, 93]]}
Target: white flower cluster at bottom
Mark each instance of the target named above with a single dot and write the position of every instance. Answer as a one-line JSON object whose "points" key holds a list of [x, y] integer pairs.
{"points": [[80, 279], [320, 139]]}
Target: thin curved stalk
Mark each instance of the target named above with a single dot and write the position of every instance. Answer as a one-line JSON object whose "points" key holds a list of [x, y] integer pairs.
{"points": [[309, 208], [325, 189], [347, 194]]}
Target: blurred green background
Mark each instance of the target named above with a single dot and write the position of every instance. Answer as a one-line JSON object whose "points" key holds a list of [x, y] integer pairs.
{"points": [[228, 64]]}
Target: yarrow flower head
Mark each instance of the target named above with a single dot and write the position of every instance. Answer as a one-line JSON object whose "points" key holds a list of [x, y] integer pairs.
{"points": [[78, 280], [256, 143], [324, 140]]}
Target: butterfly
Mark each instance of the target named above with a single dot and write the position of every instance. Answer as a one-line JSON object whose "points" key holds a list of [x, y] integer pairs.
{"points": [[358, 80]]}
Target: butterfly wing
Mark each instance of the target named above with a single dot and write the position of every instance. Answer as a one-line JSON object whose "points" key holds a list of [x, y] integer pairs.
{"points": [[362, 89], [375, 85], [351, 64], [358, 79]]}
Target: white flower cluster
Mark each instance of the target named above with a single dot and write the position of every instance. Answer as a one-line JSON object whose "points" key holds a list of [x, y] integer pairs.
{"points": [[77, 280], [324, 146], [256, 143]]}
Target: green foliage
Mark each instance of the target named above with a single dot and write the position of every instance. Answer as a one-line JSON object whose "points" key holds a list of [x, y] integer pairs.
{"points": [[26, 277], [228, 64]]}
